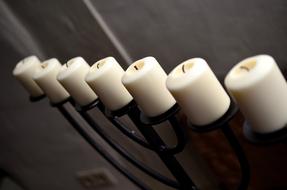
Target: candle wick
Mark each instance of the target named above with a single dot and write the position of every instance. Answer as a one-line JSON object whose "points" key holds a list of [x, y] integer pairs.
{"points": [[183, 70], [136, 67], [98, 65], [245, 68], [43, 66]]}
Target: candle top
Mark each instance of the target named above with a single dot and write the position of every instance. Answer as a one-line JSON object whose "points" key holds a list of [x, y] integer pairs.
{"points": [[100, 67], [71, 67], [186, 72], [249, 71], [46, 67], [139, 68], [25, 64]]}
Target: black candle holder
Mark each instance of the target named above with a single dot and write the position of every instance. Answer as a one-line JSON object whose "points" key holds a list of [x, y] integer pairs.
{"points": [[132, 134], [61, 103], [151, 140], [36, 98], [96, 146], [264, 138], [166, 154], [223, 125], [147, 121], [83, 111]]}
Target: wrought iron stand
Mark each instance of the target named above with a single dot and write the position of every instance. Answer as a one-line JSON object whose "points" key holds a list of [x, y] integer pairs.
{"points": [[223, 125], [151, 140]]}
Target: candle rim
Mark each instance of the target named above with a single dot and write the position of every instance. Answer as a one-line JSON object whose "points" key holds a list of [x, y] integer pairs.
{"points": [[52, 63], [130, 75], [263, 66], [96, 72], [25, 64], [71, 67], [175, 81]]}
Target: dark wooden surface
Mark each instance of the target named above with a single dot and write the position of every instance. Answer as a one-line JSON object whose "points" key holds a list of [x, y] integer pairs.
{"points": [[268, 167]]}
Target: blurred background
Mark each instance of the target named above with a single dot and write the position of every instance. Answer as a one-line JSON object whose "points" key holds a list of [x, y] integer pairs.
{"points": [[38, 148]]}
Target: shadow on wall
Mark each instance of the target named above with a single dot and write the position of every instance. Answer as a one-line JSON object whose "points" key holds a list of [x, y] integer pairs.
{"points": [[7, 183]]}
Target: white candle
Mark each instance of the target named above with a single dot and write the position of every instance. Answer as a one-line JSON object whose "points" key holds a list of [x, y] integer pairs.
{"points": [[198, 92], [260, 90], [105, 79], [24, 72], [46, 78], [72, 77], [145, 80]]}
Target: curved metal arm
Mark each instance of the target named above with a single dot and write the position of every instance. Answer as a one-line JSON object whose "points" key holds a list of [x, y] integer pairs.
{"points": [[178, 129], [114, 116], [170, 161], [180, 135], [130, 133], [222, 124], [244, 165], [140, 165], [170, 116], [101, 150]]}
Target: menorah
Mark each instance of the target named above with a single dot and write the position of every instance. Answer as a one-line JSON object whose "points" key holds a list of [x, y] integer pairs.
{"points": [[195, 90], [151, 140]]}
